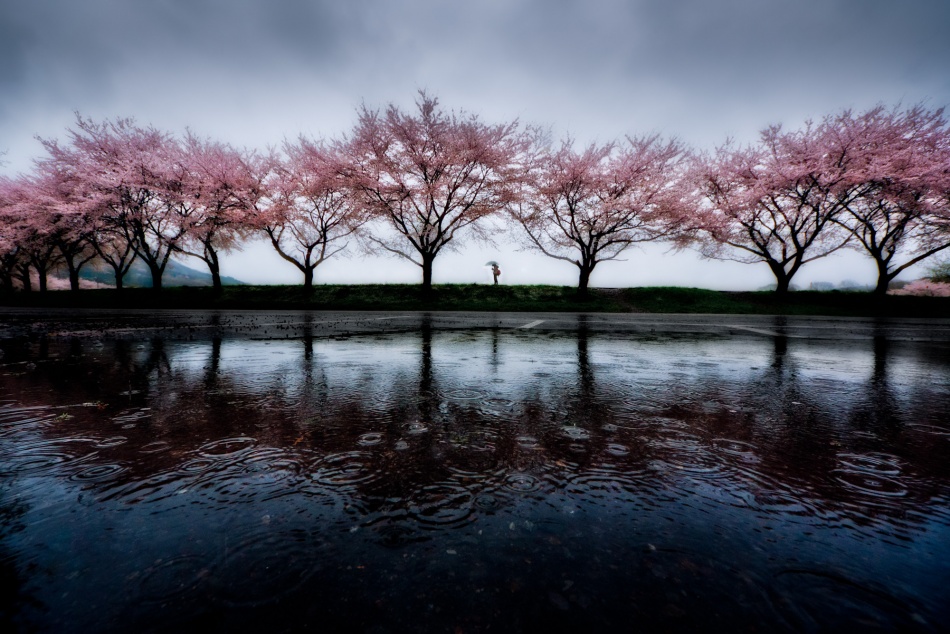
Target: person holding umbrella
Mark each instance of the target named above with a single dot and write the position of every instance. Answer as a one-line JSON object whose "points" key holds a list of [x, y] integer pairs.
{"points": [[495, 271]]}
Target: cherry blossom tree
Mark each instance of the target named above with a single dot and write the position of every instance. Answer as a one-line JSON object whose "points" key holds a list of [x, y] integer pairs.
{"points": [[8, 264], [225, 187], [62, 197], [29, 217], [901, 174], [77, 174], [161, 228], [312, 211], [113, 248], [427, 176], [10, 252], [136, 184], [773, 202], [587, 207]]}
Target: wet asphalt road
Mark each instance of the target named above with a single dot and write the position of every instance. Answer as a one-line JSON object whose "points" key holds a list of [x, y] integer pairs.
{"points": [[207, 324]]}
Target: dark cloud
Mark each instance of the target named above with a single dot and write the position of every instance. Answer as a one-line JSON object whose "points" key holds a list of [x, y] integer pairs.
{"points": [[824, 41], [674, 66], [97, 37], [14, 44]]}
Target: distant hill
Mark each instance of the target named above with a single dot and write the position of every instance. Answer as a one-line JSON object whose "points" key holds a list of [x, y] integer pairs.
{"points": [[176, 274]]}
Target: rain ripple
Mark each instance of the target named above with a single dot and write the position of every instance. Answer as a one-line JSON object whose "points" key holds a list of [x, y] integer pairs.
{"points": [[441, 505], [522, 483], [687, 455], [227, 447], [606, 482], [575, 433], [871, 474], [465, 394], [743, 451], [370, 439], [870, 484], [40, 459], [344, 469], [261, 474], [99, 473]]}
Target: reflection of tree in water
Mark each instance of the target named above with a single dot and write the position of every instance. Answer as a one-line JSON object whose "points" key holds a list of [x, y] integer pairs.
{"points": [[425, 439], [768, 406], [495, 359], [583, 411], [803, 433], [214, 364], [878, 412], [306, 399], [803, 439], [428, 395], [79, 370], [420, 463], [887, 421]]}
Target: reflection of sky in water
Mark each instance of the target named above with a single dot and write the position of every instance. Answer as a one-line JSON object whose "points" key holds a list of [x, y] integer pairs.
{"points": [[515, 366], [477, 477]]}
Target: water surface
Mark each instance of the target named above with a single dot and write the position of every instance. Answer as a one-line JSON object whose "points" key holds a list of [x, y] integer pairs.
{"points": [[410, 473]]}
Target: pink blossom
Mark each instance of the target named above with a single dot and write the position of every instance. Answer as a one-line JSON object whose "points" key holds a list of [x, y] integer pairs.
{"points": [[924, 288], [426, 177], [588, 207]]}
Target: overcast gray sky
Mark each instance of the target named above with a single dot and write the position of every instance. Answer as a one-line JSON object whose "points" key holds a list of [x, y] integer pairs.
{"points": [[255, 73]]}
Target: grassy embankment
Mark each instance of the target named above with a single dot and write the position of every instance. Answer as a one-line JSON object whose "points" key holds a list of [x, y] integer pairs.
{"points": [[480, 297]]}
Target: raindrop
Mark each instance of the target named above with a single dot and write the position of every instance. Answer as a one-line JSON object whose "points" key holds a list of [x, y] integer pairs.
{"points": [[226, 446], [575, 433], [369, 439], [417, 428], [522, 483], [871, 484], [98, 473]]}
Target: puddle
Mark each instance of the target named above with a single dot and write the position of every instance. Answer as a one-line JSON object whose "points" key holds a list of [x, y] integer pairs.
{"points": [[688, 482]]}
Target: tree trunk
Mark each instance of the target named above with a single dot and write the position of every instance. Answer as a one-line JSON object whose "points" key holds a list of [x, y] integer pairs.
{"points": [[782, 279], [43, 276], [74, 259], [119, 278], [215, 267], [25, 281], [883, 281], [156, 277], [427, 272], [308, 278], [583, 281], [883, 277]]}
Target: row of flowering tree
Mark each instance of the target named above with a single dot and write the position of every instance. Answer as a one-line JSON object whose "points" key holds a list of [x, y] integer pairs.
{"points": [[117, 192], [878, 181], [414, 184]]}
